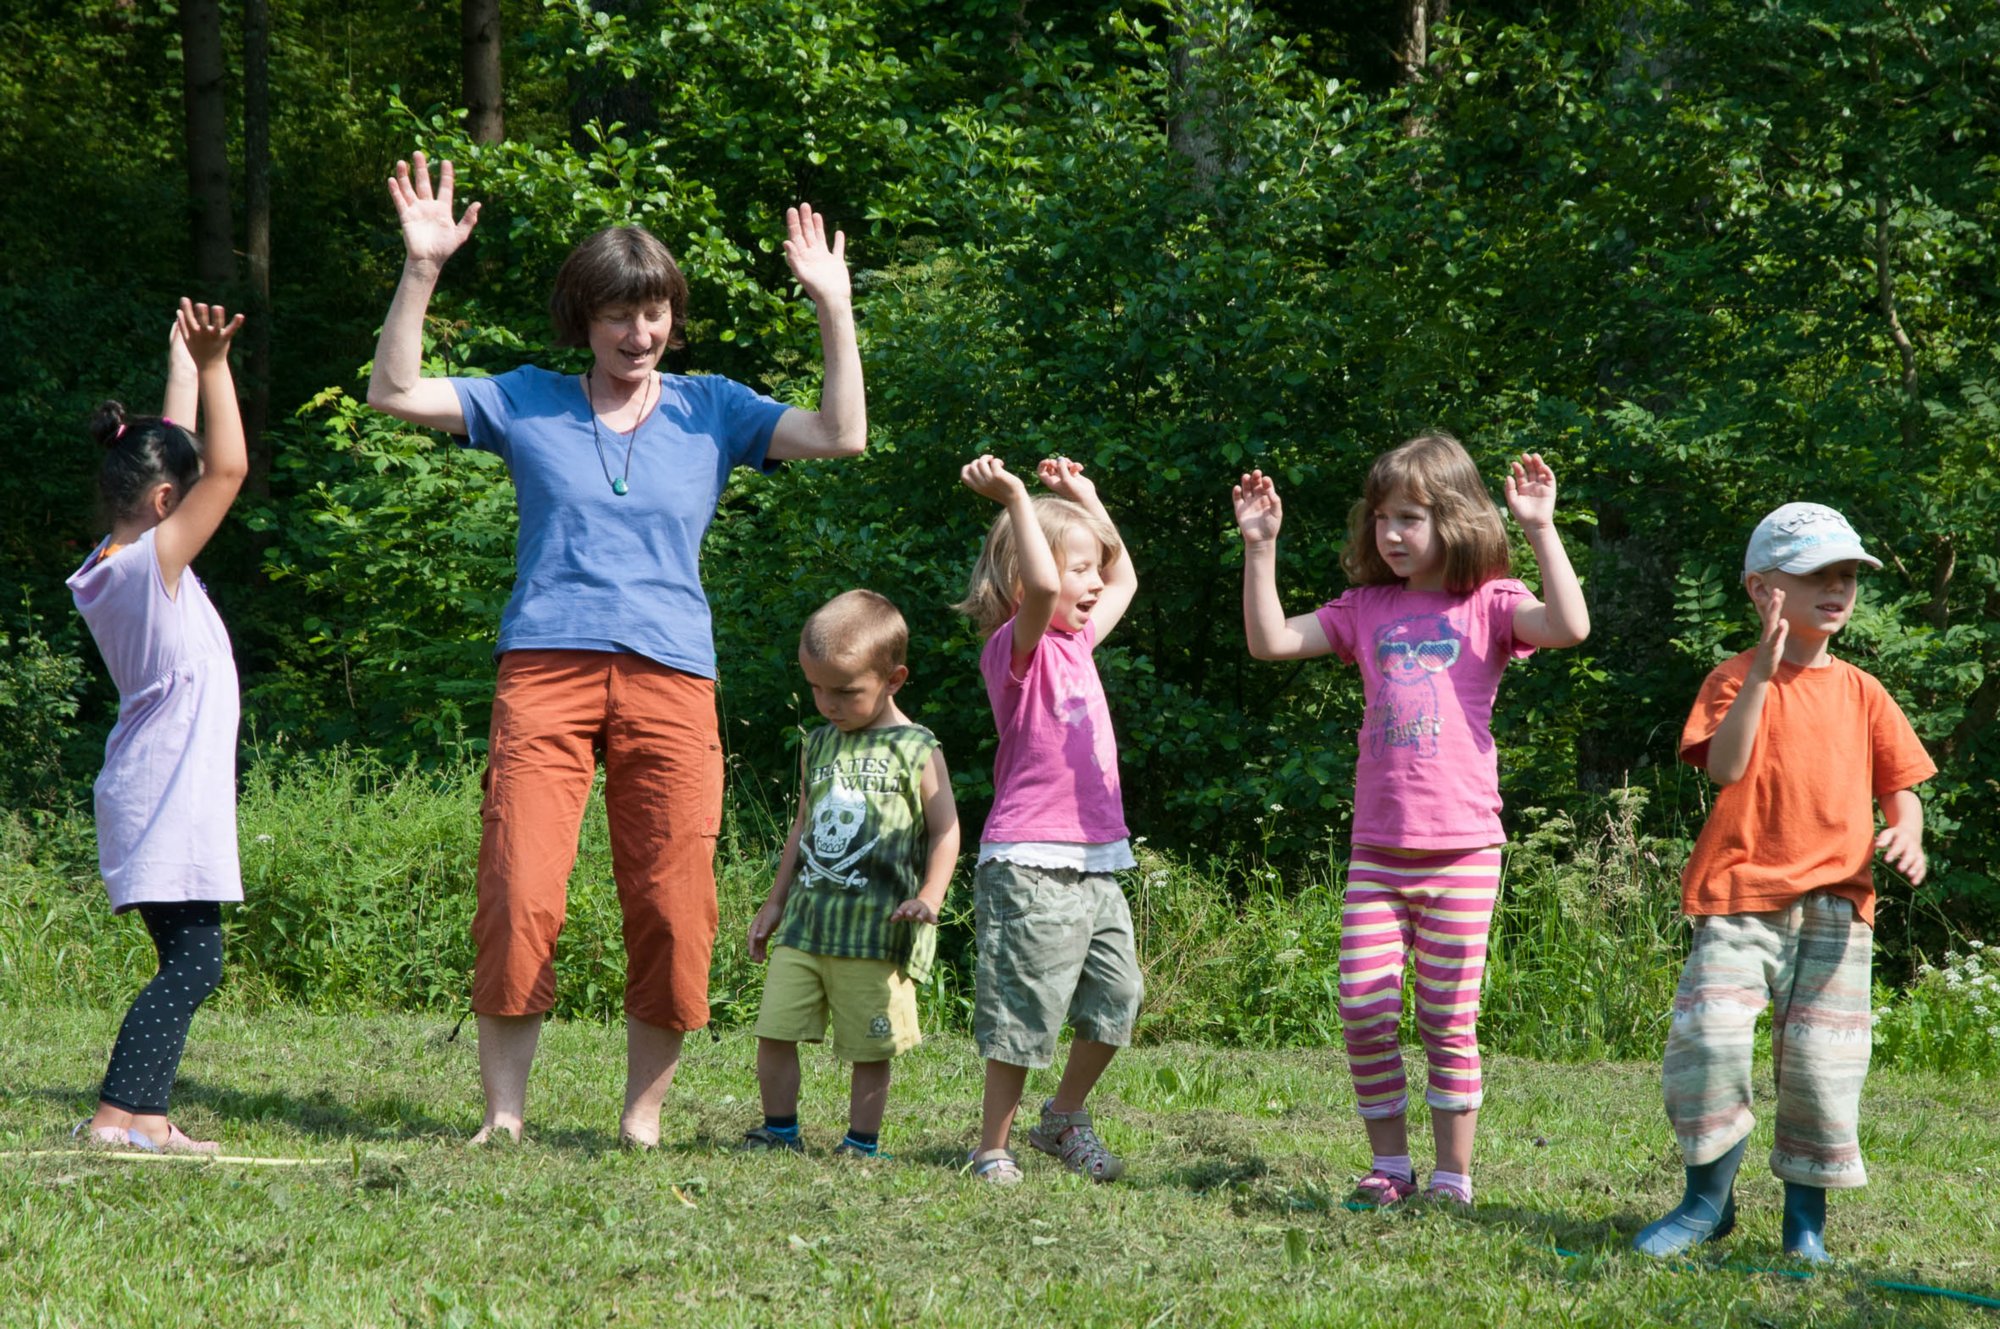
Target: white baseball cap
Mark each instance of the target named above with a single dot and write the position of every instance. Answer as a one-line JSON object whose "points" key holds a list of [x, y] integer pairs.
{"points": [[1803, 537]]}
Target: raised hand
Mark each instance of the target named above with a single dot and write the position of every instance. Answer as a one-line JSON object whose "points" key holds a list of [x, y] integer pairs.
{"points": [[821, 270], [1531, 492], [205, 332], [1770, 602], [988, 476], [430, 235], [1065, 479], [1259, 514]]}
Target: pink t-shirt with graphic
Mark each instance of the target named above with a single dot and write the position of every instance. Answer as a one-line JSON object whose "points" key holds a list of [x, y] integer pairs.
{"points": [[1426, 776], [1055, 777]]}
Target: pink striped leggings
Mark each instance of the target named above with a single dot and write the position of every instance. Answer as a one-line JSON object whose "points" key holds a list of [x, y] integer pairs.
{"points": [[1441, 906]]}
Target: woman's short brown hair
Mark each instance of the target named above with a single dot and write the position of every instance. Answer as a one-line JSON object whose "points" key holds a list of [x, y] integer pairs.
{"points": [[620, 265], [1434, 470]]}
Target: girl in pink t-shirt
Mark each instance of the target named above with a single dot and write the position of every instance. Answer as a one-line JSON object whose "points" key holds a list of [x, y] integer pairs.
{"points": [[166, 798], [1054, 933], [1432, 620]]}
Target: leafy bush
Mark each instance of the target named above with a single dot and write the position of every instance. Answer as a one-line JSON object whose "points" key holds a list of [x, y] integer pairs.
{"points": [[1947, 1019]]}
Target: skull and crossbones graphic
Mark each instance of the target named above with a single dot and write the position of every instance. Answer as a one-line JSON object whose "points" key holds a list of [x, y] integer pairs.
{"points": [[837, 820]]}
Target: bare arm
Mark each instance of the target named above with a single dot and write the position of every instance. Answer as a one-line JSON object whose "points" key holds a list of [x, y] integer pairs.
{"points": [[1065, 479], [839, 428], [1902, 839], [1562, 618], [773, 911], [1736, 737], [182, 403], [1041, 582], [1271, 636], [941, 822], [207, 331], [396, 386]]}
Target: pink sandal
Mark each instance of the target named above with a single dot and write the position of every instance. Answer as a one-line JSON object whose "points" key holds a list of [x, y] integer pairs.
{"points": [[1381, 1189], [176, 1142]]}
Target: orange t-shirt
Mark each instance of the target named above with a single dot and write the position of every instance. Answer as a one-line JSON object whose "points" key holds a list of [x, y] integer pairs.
{"points": [[1830, 741]]}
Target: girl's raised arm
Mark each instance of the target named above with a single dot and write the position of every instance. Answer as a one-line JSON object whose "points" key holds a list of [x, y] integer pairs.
{"points": [[1270, 634], [1065, 479], [397, 386], [1562, 619], [225, 459], [1041, 581], [182, 403]]}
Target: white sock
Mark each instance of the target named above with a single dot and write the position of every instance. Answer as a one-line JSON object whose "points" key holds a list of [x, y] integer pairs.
{"points": [[1395, 1165]]}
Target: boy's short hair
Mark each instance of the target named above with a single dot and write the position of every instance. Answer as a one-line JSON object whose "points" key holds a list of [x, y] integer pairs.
{"points": [[858, 627], [1803, 537], [619, 265]]}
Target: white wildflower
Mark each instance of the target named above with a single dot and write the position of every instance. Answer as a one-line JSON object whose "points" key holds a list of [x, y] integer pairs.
{"points": [[1976, 944], [1925, 970]]}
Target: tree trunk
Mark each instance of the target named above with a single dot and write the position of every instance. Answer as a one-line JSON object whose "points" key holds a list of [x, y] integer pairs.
{"points": [[1413, 52], [257, 206], [479, 47], [207, 145]]}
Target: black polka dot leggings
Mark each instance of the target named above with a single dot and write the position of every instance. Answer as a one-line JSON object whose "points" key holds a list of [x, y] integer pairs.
{"points": [[147, 1056]]}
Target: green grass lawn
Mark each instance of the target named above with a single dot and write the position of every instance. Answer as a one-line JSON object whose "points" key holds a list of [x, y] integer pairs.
{"points": [[1230, 1211]]}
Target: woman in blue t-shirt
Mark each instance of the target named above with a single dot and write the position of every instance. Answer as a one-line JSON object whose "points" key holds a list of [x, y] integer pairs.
{"points": [[605, 645]]}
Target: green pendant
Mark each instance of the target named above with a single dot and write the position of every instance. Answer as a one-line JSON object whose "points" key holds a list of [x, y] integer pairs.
{"points": [[619, 487]]}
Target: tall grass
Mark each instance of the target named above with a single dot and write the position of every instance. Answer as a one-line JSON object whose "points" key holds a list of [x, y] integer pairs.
{"points": [[359, 885]]}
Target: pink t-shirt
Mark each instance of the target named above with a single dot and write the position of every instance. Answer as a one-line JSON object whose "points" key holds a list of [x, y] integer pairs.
{"points": [[1055, 777], [1426, 776]]}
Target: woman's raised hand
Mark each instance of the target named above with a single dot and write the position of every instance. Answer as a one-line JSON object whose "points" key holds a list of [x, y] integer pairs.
{"points": [[820, 269], [429, 233], [1259, 514], [987, 475]]}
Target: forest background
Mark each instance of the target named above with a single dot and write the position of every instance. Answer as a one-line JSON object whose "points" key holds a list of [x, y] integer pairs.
{"points": [[1705, 257]]}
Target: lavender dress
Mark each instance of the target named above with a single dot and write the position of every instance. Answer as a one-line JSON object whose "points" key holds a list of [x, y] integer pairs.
{"points": [[166, 799]]}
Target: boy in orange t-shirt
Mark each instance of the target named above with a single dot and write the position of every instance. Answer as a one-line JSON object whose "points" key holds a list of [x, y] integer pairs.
{"points": [[1780, 888]]}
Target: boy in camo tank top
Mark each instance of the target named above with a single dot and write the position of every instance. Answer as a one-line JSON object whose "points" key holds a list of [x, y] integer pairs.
{"points": [[851, 922]]}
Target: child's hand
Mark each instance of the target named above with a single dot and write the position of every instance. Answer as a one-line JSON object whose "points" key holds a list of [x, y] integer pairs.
{"points": [[1903, 849], [821, 270], [1770, 603], [761, 928], [914, 910], [988, 475], [1065, 479], [429, 233], [1259, 514], [1531, 492], [206, 331]]}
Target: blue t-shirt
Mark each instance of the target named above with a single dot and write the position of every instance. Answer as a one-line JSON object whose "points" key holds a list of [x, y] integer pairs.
{"points": [[600, 571]]}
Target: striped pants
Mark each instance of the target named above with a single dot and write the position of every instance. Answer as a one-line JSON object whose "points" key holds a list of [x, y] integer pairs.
{"points": [[1811, 961], [1439, 905]]}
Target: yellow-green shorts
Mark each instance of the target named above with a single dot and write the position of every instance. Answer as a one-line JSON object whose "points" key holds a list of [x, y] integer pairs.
{"points": [[872, 1003]]}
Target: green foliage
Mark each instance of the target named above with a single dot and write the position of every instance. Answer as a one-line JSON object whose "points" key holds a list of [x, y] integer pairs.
{"points": [[39, 684], [1947, 1020]]}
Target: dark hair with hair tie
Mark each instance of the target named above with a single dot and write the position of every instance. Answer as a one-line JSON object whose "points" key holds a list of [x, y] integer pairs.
{"points": [[140, 453]]}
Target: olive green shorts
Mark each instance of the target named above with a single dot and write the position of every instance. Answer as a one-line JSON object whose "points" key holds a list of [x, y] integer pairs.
{"points": [[1052, 942], [872, 1004]]}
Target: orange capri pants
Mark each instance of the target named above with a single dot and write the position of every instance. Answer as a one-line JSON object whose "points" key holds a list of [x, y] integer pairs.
{"points": [[554, 714]]}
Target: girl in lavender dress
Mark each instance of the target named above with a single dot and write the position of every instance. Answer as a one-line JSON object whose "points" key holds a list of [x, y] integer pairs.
{"points": [[166, 799]]}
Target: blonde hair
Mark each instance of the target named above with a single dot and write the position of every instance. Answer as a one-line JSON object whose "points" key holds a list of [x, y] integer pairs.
{"points": [[859, 628], [1432, 469], [995, 592]]}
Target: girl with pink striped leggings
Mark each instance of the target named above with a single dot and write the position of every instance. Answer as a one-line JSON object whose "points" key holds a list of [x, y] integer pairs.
{"points": [[1431, 619]]}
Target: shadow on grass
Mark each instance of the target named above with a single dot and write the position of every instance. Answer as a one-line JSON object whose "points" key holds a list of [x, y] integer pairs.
{"points": [[319, 1115]]}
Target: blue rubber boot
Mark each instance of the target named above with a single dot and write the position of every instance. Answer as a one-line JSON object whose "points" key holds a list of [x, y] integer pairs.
{"points": [[1805, 1222], [1707, 1211]]}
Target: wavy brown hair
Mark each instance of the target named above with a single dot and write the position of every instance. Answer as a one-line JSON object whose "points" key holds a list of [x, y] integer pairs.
{"points": [[1432, 469], [995, 592]]}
